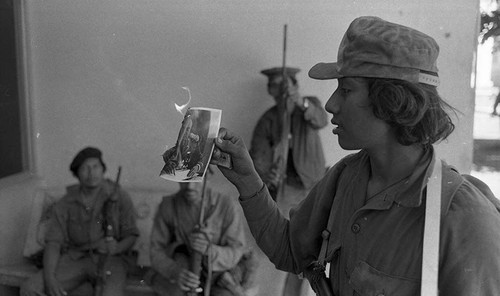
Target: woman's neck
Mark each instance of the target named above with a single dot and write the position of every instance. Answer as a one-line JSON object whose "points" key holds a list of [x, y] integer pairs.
{"points": [[394, 162]]}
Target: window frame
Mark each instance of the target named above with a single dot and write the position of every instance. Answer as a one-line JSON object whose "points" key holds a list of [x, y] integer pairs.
{"points": [[24, 96]]}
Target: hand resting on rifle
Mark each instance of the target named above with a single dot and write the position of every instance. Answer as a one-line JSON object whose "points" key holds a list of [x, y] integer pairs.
{"points": [[199, 242], [54, 288], [272, 178], [187, 281]]}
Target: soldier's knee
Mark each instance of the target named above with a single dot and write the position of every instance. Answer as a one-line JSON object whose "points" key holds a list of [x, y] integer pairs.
{"points": [[29, 290]]}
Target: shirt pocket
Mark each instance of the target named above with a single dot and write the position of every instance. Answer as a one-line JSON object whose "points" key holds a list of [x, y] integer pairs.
{"points": [[368, 281], [74, 223]]}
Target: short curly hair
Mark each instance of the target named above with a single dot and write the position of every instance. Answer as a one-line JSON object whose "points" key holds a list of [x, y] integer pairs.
{"points": [[416, 111]]}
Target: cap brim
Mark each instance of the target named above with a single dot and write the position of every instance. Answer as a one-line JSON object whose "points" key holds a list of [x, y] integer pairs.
{"points": [[323, 71]]}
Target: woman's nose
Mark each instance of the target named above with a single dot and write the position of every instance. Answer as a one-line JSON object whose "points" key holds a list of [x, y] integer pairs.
{"points": [[332, 105]]}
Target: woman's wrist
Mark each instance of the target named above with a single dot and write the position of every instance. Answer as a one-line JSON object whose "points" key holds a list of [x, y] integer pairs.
{"points": [[244, 198], [250, 188]]}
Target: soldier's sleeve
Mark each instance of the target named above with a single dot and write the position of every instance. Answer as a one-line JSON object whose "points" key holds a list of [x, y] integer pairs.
{"points": [[225, 254], [470, 245], [161, 243], [56, 227], [128, 225], [315, 114]]}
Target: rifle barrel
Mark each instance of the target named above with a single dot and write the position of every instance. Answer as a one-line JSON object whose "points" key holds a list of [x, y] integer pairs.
{"points": [[284, 50], [285, 120], [118, 175]]}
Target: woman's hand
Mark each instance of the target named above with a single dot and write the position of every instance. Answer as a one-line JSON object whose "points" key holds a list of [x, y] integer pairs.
{"points": [[243, 174]]}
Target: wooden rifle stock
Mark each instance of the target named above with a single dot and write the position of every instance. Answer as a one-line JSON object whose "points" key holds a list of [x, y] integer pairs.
{"points": [[195, 267]]}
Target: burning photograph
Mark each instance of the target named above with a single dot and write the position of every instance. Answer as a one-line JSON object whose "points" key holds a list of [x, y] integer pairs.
{"points": [[188, 160]]}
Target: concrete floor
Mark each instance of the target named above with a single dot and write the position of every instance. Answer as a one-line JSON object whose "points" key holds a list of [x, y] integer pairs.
{"points": [[270, 281]]}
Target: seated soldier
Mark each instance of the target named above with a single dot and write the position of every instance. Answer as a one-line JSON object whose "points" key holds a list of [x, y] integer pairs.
{"points": [[177, 240], [91, 229]]}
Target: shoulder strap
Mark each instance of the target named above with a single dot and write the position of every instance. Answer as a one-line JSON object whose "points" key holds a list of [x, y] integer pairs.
{"points": [[430, 256], [453, 181], [326, 233]]}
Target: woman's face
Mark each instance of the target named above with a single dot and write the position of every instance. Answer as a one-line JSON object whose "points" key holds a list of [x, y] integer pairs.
{"points": [[355, 124]]}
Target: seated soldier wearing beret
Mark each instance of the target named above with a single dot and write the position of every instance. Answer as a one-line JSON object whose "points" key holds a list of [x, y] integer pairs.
{"points": [[80, 255]]}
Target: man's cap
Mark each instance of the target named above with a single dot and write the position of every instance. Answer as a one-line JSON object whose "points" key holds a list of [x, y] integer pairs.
{"points": [[84, 154], [373, 47], [279, 71]]}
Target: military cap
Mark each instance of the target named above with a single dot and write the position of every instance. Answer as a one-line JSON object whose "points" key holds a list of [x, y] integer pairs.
{"points": [[373, 47], [84, 154], [279, 71]]}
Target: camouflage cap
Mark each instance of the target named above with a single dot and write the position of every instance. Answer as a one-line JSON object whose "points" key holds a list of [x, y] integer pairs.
{"points": [[373, 47]]}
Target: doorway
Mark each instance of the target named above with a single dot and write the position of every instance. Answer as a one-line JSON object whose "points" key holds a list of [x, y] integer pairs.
{"points": [[486, 132]]}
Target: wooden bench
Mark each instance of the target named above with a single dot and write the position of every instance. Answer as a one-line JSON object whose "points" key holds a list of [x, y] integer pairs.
{"points": [[14, 275], [145, 202]]}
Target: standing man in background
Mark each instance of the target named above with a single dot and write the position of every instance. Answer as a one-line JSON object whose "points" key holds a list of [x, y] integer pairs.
{"points": [[305, 161]]}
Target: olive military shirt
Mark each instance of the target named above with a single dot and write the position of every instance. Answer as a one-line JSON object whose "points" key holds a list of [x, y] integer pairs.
{"points": [[74, 226], [176, 219], [307, 150], [375, 247]]}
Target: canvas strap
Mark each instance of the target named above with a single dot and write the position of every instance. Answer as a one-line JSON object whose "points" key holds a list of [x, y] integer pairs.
{"points": [[430, 252], [325, 235]]}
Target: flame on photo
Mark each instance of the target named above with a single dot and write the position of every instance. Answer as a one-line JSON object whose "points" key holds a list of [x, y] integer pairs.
{"points": [[181, 108]]}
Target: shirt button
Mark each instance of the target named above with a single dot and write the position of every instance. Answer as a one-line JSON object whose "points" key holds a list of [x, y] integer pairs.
{"points": [[355, 228]]}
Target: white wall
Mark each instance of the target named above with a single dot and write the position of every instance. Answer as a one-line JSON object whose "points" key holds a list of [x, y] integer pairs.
{"points": [[107, 73]]}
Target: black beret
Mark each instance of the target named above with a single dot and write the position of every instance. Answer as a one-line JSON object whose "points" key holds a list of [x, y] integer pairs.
{"points": [[279, 71], [88, 152]]}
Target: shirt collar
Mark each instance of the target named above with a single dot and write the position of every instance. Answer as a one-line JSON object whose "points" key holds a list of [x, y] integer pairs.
{"points": [[409, 192], [73, 191]]}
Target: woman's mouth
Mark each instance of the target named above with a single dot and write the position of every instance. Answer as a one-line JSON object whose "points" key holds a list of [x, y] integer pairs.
{"points": [[336, 127]]}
